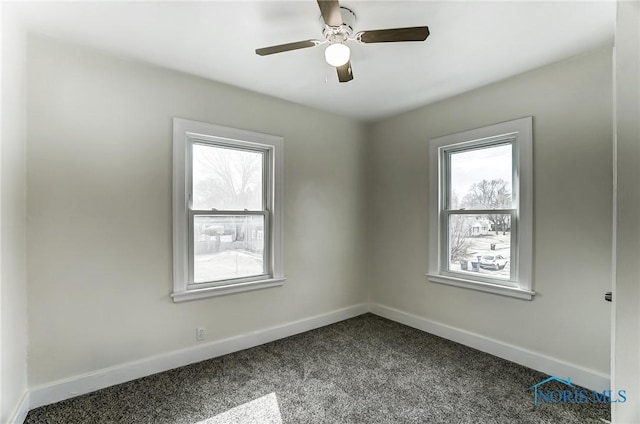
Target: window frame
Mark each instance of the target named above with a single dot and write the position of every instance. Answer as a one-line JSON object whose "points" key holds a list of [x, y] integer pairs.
{"points": [[186, 134], [518, 133]]}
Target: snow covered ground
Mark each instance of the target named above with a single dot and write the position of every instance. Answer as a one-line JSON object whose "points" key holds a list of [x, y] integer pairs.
{"points": [[480, 246]]}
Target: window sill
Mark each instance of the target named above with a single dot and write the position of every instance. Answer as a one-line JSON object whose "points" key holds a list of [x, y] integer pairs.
{"points": [[225, 290], [484, 287]]}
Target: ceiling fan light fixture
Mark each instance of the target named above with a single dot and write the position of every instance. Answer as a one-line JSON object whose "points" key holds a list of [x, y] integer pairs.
{"points": [[337, 54]]}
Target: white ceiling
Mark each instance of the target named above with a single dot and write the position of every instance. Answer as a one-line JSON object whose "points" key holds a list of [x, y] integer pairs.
{"points": [[472, 43]]}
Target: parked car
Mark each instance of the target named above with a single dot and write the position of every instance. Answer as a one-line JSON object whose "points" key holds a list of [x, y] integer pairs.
{"points": [[493, 262]]}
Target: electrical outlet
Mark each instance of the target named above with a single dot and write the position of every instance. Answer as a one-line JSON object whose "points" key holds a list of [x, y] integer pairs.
{"points": [[200, 334]]}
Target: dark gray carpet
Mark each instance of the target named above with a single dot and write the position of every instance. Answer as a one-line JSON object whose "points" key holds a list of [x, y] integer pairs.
{"points": [[363, 370]]}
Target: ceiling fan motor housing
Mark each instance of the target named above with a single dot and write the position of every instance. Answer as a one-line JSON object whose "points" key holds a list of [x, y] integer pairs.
{"points": [[342, 33]]}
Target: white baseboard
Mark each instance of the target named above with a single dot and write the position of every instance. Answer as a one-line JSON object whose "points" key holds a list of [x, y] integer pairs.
{"points": [[100, 379], [588, 378], [89, 382], [21, 411]]}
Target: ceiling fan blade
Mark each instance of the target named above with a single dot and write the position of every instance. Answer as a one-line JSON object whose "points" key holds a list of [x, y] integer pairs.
{"points": [[330, 10], [393, 35], [287, 47], [345, 73]]}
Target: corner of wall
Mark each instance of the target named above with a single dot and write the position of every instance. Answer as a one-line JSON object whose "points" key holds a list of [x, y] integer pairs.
{"points": [[13, 291]]}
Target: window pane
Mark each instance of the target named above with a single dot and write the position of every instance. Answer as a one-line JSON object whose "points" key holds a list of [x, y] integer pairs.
{"points": [[227, 247], [481, 178], [226, 179], [480, 244]]}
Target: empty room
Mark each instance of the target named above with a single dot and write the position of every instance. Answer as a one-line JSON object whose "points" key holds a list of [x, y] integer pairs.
{"points": [[320, 211]]}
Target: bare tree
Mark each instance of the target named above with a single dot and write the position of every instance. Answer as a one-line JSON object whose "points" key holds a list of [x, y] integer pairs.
{"points": [[490, 194], [227, 179], [458, 237], [231, 180]]}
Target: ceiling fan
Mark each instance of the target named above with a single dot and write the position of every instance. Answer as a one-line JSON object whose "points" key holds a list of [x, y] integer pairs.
{"points": [[338, 29]]}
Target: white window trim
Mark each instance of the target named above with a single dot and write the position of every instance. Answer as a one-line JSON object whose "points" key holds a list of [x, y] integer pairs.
{"points": [[183, 132], [523, 177]]}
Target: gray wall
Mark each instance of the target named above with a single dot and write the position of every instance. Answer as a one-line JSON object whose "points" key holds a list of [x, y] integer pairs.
{"points": [[13, 278], [625, 373], [99, 211], [571, 105]]}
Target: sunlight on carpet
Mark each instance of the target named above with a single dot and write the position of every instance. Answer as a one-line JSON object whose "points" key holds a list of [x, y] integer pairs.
{"points": [[263, 410]]}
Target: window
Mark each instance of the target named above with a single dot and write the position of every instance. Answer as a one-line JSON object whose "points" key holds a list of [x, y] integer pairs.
{"points": [[480, 217], [227, 210]]}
